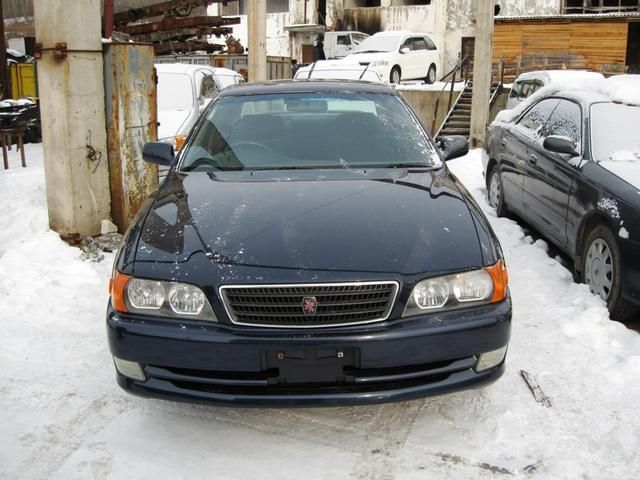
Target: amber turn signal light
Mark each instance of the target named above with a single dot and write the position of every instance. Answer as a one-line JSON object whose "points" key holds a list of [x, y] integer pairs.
{"points": [[500, 279], [117, 285]]}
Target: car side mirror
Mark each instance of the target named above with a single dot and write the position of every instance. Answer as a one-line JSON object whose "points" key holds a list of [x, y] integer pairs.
{"points": [[560, 144], [454, 146], [158, 153], [405, 50]]}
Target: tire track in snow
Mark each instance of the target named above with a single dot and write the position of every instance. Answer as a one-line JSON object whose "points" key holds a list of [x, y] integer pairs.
{"points": [[386, 435]]}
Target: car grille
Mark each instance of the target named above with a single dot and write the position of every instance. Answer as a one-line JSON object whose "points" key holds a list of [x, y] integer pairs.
{"points": [[333, 304]]}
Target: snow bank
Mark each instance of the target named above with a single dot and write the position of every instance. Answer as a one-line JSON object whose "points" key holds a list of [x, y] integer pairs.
{"points": [[434, 87]]}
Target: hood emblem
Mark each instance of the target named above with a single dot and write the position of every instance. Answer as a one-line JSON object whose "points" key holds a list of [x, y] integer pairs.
{"points": [[309, 305]]}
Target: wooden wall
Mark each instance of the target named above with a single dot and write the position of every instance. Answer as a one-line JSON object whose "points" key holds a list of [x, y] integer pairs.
{"points": [[581, 44]]}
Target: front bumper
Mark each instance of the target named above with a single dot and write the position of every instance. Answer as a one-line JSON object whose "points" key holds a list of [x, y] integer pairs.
{"points": [[390, 361]]}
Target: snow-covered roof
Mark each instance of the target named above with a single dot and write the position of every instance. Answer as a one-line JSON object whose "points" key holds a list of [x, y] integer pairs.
{"points": [[571, 16]]}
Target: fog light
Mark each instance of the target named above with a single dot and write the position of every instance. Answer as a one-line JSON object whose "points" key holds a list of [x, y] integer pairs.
{"points": [[129, 369], [490, 359]]}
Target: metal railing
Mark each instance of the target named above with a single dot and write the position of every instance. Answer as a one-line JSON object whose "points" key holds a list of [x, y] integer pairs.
{"points": [[497, 72], [452, 80]]}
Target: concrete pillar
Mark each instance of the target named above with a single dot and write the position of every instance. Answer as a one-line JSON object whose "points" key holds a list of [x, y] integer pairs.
{"points": [[482, 72], [257, 40], [73, 119]]}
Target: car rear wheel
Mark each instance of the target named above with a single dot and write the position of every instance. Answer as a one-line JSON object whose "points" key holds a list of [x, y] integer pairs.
{"points": [[495, 194], [602, 271], [395, 75], [431, 75]]}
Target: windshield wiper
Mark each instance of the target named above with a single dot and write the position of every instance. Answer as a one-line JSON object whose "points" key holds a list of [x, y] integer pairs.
{"points": [[371, 51], [404, 165]]}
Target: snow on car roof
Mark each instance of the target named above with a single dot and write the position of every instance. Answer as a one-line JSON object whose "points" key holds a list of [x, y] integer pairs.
{"points": [[558, 75], [179, 67], [584, 89]]}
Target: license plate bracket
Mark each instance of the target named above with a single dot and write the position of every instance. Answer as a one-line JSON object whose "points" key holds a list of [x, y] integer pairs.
{"points": [[311, 365]]}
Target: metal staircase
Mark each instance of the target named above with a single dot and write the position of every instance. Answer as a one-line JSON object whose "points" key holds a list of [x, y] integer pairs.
{"points": [[458, 118]]}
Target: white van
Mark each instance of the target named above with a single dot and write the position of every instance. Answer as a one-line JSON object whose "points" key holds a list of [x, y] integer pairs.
{"points": [[341, 44], [184, 90]]}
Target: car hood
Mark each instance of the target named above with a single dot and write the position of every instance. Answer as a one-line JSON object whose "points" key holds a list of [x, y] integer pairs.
{"points": [[171, 121], [367, 57], [331, 220], [627, 171]]}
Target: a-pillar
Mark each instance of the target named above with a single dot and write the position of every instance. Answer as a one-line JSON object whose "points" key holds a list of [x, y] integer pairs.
{"points": [[71, 86]]}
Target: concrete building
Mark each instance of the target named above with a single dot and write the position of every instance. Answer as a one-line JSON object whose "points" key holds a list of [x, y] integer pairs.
{"points": [[292, 25]]}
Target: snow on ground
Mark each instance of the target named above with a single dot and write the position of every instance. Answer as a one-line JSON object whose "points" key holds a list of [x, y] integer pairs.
{"points": [[63, 416]]}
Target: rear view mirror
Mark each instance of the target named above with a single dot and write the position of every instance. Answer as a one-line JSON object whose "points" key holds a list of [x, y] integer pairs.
{"points": [[454, 146], [405, 50], [158, 153], [560, 144]]}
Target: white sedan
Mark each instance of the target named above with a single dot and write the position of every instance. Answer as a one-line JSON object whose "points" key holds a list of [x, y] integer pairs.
{"points": [[398, 56]]}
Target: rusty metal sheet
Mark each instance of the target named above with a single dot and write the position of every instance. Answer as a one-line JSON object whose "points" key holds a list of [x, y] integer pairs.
{"points": [[179, 8], [175, 23], [130, 93]]}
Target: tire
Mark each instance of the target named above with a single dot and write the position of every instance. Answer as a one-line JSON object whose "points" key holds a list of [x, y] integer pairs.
{"points": [[431, 75], [395, 75], [602, 272], [495, 193]]}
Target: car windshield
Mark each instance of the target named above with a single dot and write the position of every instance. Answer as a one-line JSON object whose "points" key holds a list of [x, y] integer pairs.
{"points": [[309, 130], [382, 43], [174, 91], [614, 132]]}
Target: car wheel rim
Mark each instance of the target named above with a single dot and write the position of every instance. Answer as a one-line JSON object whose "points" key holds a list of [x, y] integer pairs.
{"points": [[432, 75], [395, 77], [494, 191], [599, 268]]}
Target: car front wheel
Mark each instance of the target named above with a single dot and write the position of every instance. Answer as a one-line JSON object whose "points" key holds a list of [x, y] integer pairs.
{"points": [[395, 75], [495, 194], [601, 270], [431, 75]]}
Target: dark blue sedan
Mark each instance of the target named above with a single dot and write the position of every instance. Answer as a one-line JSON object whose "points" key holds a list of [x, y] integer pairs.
{"points": [[569, 165], [308, 247]]}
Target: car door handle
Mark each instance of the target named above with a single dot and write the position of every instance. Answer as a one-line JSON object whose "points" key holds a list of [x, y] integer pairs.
{"points": [[533, 160], [504, 142]]}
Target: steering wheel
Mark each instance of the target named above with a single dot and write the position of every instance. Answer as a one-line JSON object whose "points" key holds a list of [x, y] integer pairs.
{"points": [[252, 144]]}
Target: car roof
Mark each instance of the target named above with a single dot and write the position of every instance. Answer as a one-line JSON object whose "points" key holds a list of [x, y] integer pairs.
{"points": [[555, 75], [225, 71], [585, 97], [398, 33], [181, 67], [306, 86]]}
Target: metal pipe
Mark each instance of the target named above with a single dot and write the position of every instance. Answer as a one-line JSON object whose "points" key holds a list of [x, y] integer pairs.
{"points": [[108, 18]]}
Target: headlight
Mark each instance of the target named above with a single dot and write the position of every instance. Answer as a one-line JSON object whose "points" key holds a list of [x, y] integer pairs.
{"points": [[158, 298], [488, 285]]}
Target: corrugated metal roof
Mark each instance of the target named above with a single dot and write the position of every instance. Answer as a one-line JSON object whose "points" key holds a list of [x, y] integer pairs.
{"points": [[574, 16]]}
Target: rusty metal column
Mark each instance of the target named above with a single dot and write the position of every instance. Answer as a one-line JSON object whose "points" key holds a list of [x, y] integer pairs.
{"points": [[257, 40], [130, 101]]}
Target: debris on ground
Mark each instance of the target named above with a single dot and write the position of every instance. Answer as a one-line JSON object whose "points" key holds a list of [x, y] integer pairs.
{"points": [[538, 394]]}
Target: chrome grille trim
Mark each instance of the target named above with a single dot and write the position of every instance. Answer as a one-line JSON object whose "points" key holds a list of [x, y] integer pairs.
{"points": [[390, 302]]}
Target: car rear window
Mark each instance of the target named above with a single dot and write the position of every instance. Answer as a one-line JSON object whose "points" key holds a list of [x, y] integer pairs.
{"points": [[614, 132], [309, 130]]}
